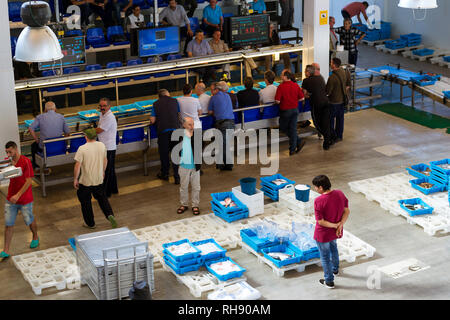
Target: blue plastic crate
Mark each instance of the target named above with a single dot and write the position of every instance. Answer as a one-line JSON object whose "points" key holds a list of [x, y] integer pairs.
{"points": [[395, 44], [218, 197], [115, 111], [250, 238], [28, 123], [434, 76], [440, 176], [83, 114], [229, 217], [187, 256], [146, 104], [72, 244], [436, 187], [418, 170], [435, 166], [267, 181], [446, 94], [423, 52], [312, 253], [231, 275], [427, 210], [423, 80], [220, 253], [185, 263], [411, 36], [273, 195], [182, 270], [127, 109], [447, 59], [287, 248]]}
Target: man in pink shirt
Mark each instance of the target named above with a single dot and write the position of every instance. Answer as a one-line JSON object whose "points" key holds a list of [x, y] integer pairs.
{"points": [[331, 212], [355, 9]]}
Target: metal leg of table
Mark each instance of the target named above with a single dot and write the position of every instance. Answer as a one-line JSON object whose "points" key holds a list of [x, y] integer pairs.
{"points": [[83, 97], [242, 73], [117, 92], [401, 93], [412, 95], [40, 100]]}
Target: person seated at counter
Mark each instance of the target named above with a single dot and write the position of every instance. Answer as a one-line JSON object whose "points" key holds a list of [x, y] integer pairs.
{"points": [[258, 6], [136, 19], [102, 9], [267, 95], [248, 97], [51, 125], [204, 98], [199, 47], [175, 15], [212, 17], [219, 46]]}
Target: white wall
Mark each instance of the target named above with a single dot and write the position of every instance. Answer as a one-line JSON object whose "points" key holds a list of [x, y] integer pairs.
{"points": [[337, 5], [434, 29]]}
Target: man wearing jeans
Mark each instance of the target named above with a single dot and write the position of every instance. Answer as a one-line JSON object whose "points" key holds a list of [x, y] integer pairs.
{"points": [[288, 95], [19, 198], [331, 212], [91, 160]]}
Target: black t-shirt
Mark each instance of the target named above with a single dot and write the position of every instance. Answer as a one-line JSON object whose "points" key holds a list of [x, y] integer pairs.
{"points": [[23, 70], [248, 98], [234, 100], [316, 87]]}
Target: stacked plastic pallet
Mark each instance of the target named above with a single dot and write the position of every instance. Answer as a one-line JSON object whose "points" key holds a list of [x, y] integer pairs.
{"points": [[227, 206], [412, 39], [272, 184]]}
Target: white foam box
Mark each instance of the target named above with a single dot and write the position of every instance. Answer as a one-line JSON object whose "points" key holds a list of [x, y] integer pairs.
{"points": [[255, 203]]}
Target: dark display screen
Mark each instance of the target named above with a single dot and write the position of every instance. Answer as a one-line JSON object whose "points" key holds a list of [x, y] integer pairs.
{"points": [[158, 41], [74, 51], [249, 30]]}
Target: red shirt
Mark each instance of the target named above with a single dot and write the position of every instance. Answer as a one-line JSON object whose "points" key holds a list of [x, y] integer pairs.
{"points": [[355, 8], [16, 184], [289, 93], [329, 207]]}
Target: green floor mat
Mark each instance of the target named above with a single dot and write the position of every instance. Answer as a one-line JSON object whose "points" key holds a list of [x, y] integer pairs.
{"points": [[423, 118]]}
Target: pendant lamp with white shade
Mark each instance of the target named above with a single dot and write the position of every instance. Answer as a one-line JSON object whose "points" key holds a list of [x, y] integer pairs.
{"points": [[418, 4], [37, 42]]}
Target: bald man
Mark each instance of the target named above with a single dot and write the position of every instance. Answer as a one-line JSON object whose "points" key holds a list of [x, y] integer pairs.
{"points": [[200, 89], [317, 68], [50, 125]]}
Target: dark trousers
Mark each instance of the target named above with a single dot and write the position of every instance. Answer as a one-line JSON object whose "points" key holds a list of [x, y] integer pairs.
{"points": [[184, 35], [223, 125], [345, 14], [105, 14], [337, 120], [35, 148], [322, 121], [209, 30], [165, 146], [110, 181], [288, 125], [85, 194], [287, 13], [206, 74], [353, 57]]}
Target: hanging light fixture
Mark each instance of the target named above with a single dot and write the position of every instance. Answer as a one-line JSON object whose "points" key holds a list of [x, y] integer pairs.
{"points": [[37, 42], [418, 4]]}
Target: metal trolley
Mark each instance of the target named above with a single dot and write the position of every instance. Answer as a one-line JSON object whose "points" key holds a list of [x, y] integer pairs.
{"points": [[110, 261]]}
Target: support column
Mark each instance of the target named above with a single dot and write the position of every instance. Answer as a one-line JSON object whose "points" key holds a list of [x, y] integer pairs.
{"points": [[316, 36], [9, 129]]}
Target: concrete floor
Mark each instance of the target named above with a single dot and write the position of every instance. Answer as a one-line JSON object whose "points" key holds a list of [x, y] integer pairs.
{"points": [[145, 201]]}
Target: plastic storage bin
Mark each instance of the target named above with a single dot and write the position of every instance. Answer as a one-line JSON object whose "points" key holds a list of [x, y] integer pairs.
{"points": [[220, 253], [267, 182], [435, 166], [218, 197], [250, 238], [84, 114], [423, 52], [395, 44], [254, 203], [287, 248], [447, 59], [181, 270], [436, 187], [234, 274], [426, 210], [418, 170], [229, 217], [446, 94], [423, 80], [187, 256]]}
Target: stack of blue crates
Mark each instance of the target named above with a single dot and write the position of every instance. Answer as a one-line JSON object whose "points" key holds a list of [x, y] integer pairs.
{"points": [[230, 214], [423, 52], [440, 175], [447, 59], [385, 30], [395, 44], [270, 189], [185, 263], [412, 39]]}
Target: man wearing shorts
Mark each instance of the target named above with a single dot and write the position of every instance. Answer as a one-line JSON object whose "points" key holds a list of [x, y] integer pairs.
{"points": [[20, 198]]}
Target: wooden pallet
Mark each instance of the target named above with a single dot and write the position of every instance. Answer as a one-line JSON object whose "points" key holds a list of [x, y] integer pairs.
{"points": [[440, 61], [437, 53], [383, 48], [374, 43]]}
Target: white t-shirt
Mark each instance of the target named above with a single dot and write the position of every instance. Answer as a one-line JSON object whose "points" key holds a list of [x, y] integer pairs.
{"points": [[109, 124], [189, 107], [267, 95], [91, 155], [204, 102], [133, 19]]}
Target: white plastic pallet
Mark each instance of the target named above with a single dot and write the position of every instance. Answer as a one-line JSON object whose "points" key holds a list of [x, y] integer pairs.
{"points": [[440, 61], [387, 190], [383, 48], [56, 267], [374, 43], [437, 53]]}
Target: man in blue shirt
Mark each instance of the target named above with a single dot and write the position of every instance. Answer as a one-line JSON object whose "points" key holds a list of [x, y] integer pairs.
{"points": [[212, 17], [189, 171], [221, 107], [198, 47], [51, 125], [259, 6]]}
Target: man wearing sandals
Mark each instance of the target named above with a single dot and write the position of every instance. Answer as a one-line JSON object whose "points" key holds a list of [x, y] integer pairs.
{"points": [[189, 171]]}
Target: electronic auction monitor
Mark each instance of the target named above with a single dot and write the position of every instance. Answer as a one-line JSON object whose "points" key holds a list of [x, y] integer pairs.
{"points": [[74, 51], [249, 30], [158, 41]]}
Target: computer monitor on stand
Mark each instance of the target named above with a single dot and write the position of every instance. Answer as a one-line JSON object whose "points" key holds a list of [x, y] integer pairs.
{"points": [[158, 41]]}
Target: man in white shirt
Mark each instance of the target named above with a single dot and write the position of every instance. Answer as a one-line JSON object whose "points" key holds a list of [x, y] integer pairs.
{"points": [[200, 89], [267, 95], [107, 133], [136, 19], [190, 106], [90, 161]]}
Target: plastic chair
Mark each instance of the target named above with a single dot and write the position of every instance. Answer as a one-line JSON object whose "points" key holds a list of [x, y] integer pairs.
{"points": [[117, 64], [74, 70], [51, 73], [115, 31], [93, 67], [14, 11], [135, 62], [195, 24], [96, 38], [76, 143], [55, 148]]}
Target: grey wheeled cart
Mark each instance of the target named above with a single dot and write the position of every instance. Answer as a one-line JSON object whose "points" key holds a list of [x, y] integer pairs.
{"points": [[110, 261]]}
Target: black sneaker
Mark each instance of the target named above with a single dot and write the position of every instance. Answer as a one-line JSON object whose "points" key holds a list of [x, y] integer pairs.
{"points": [[326, 146], [326, 284], [160, 176], [300, 146], [336, 273], [177, 180]]}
